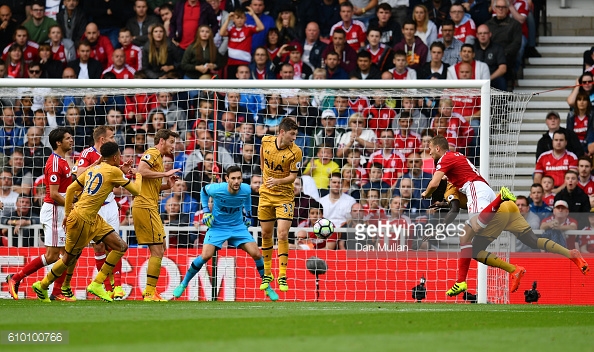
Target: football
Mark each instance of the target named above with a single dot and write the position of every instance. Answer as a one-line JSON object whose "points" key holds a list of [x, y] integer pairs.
{"points": [[323, 228]]}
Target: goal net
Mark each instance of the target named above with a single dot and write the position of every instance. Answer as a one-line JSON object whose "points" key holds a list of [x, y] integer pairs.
{"points": [[373, 133]]}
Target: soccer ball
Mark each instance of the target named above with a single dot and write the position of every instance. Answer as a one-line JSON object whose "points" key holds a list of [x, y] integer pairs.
{"points": [[323, 228]]}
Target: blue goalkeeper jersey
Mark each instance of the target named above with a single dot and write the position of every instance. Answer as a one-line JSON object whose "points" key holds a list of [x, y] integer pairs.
{"points": [[228, 208]]}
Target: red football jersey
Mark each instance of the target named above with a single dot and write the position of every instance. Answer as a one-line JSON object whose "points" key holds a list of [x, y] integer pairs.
{"points": [[407, 144], [379, 118], [466, 106], [458, 169], [548, 164], [523, 9], [127, 72], [30, 53], [355, 34], [461, 127], [464, 30], [359, 104], [240, 44], [580, 127], [133, 57], [567, 221], [394, 165], [60, 54], [102, 51], [549, 199], [404, 75], [588, 240], [587, 187], [377, 54], [56, 172]]}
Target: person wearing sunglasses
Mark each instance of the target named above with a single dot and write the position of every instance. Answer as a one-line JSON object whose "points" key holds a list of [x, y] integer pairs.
{"points": [[584, 83]]}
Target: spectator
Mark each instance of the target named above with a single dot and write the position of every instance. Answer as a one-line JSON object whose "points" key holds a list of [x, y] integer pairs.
{"points": [[479, 70], [545, 143], [204, 144], [303, 202], [110, 16], [410, 200], [585, 179], [451, 53], [239, 104], [180, 195], [365, 69], [22, 177], [532, 219], [373, 202], [8, 197], [583, 84], [11, 136], [85, 67], [72, 19], [347, 57], [41, 118], [465, 28], [16, 67], [537, 203], [240, 38], [337, 205], [139, 24], [257, 7], [120, 68], [328, 14], [201, 175], [62, 48], [165, 12], [307, 239], [8, 26], [80, 135], [92, 114], [507, 32], [39, 24], [577, 200], [35, 153], [400, 70], [333, 68], [261, 67], [548, 188], [322, 167], [419, 121], [581, 122], [29, 48], [382, 56], [21, 216], [556, 224], [133, 53], [406, 141], [379, 116], [493, 55], [268, 119], [358, 163], [436, 68], [389, 28], [356, 221], [397, 220], [160, 57], [101, 46], [414, 48], [255, 184], [286, 24], [173, 216], [556, 162], [458, 125], [428, 162], [248, 161], [201, 59], [586, 243], [307, 116], [426, 29], [377, 177], [328, 134], [300, 69], [155, 121], [354, 29], [358, 137], [519, 10], [221, 15], [273, 43], [115, 119], [245, 136], [313, 47], [175, 117], [50, 68], [349, 182]]}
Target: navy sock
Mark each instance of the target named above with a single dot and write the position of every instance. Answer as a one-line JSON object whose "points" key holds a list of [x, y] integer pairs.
{"points": [[260, 266], [193, 270]]}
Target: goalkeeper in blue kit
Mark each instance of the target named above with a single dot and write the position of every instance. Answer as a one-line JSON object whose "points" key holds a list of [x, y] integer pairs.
{"points": [[228, 220]]}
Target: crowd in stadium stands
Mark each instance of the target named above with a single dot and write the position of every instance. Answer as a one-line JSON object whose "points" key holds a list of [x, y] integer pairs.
{"points": [[368, 160]]}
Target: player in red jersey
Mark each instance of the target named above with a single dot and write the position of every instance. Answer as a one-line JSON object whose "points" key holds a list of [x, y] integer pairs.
{"points": [[109, 210], [57, 176], [556, 162], [482, 202]]}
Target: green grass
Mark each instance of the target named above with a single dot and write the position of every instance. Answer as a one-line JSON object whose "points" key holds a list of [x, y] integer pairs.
{"points": [[284, 326]]}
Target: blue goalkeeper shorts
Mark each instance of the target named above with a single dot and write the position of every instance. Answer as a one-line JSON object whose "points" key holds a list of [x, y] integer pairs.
{"points": [[234, 236]]}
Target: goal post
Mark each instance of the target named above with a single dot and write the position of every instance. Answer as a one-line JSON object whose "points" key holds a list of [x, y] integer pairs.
{"points": [[375, 274]]}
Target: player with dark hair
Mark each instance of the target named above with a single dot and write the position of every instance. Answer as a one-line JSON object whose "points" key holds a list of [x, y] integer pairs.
{"points": [[57, 176], [228, 220], [482, 202], [109, 210], [83, 223], [145, 211], [280, 161]]}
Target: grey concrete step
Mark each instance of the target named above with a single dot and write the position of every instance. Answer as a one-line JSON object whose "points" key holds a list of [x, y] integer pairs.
{"points": [[552, 72], [546, 105], [544, 84], [566, 40], [554, 95], [568, 51], [555, 61]]}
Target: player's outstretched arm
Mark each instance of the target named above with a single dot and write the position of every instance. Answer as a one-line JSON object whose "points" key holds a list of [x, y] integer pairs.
{"points": [[145, 170], [454, 211], [433, 184], [136, 186]]}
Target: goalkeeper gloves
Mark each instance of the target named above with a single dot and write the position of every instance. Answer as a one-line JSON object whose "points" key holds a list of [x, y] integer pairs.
{"points": [[247, 219], [208, 219]]}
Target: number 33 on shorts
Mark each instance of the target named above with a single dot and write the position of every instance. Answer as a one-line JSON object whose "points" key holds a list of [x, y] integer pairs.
{"points": [[287, 211]]}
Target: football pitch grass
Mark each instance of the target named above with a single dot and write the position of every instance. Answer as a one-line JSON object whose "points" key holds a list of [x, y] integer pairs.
{"points": [[288, 326]]}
